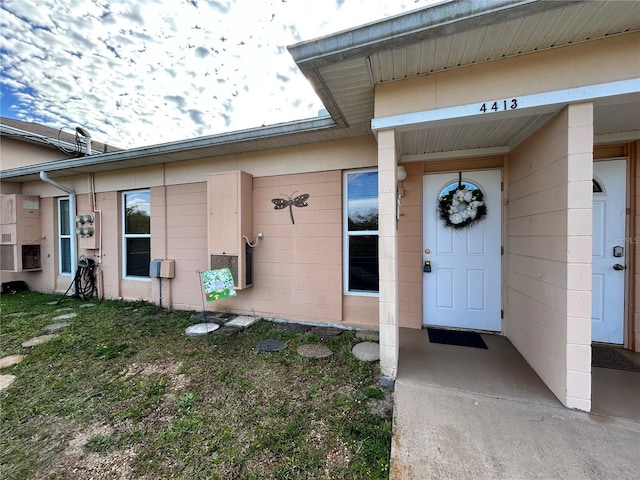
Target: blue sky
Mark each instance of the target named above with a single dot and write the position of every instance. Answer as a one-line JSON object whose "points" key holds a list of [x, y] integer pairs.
{"points": [[153, 71]]}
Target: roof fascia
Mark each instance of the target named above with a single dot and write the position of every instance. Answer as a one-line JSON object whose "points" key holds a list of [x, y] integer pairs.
{"points": [[438, 20], [236, 137]]}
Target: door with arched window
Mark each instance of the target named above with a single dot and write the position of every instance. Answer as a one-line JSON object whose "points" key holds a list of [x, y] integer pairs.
{"points": [[609, 244], [462, 248]]}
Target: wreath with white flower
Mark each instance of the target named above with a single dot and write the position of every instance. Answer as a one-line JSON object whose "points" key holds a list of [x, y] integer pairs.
{"points": [[461, 208]]}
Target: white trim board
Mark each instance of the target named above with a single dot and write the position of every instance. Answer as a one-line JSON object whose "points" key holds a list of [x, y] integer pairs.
{"points": [[534, 104]]}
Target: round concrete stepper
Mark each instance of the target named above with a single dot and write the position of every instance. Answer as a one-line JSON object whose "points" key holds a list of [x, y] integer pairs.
{"points": [[270, 345], [66, 316], [38, 340], [201, 329], [52, 327], [87, 305], [10, 360], [366, 351], [6, 381], [314, 350]]}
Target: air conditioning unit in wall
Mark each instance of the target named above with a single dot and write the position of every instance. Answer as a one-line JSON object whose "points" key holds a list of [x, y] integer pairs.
{"points": [[20, 233], [230, 218]]}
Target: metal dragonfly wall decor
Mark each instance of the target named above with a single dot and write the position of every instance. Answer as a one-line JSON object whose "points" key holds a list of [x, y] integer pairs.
{"points": [[291, 201]]}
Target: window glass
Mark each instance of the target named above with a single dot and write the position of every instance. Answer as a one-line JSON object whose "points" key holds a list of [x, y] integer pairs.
{"points": [[362, 201], [137, 213], [64, 236], [138, 257], [137, 233], [363, 263], [361, 232]]}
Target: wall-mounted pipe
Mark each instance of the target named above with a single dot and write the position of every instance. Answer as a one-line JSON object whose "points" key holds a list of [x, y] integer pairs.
{"points": [[72, 222]]}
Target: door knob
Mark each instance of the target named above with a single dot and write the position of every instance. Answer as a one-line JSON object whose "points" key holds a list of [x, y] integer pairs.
{"points": [[617, 266]]}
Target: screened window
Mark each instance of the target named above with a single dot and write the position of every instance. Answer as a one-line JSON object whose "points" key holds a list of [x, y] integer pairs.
{"points": [[64, 237], [136, 219], [361, 232]]}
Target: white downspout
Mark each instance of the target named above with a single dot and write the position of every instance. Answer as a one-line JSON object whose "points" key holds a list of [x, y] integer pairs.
{"points": [[72, 223]]}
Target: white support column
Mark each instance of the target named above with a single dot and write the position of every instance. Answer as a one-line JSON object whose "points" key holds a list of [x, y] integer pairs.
{"points": [[388, 254]]}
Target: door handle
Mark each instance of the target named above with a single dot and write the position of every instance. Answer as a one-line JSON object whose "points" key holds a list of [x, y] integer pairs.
{"points": [[617, 266], [427, 266]]}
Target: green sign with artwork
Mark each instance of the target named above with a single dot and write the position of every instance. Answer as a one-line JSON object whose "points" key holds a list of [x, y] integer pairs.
{"points": [[218, 284]]}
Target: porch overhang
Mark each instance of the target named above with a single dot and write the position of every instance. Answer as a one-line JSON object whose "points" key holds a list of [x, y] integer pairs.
{"points": [[346, 67], [497, 126]]}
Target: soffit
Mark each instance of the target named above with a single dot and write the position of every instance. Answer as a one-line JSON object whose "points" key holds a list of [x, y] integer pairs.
{"points": [[346, 69]]}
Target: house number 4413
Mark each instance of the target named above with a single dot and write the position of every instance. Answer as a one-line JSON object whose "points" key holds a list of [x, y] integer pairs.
{"points": [[499, 106]]}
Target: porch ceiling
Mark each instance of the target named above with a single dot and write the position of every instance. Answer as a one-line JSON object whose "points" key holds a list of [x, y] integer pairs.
{"points": [[345, 68], [613, 121]]}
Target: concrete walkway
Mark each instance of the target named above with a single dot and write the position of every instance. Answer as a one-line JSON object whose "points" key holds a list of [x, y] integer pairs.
{"points": [[466, 413], [442, 433]]}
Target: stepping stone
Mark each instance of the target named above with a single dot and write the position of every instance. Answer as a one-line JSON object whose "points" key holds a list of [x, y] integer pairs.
{"points": [[39, 340], [55, 302], [314, 350], [201, 329], [293, 327], [52, 327], [66, 316], [227, 330], [327, 332], [42, 315], [366, 351], [368, 335], [6, 381], [10, 360], [87, 305], [271, 345], [15, 314], [63, 309], [242, 321]]}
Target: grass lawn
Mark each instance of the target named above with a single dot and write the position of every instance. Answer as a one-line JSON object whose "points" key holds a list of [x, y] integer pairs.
{"points": [[123, 393]]}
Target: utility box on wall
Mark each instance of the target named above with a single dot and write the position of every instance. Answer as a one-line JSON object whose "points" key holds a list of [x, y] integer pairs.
{"points": [[230, 218], [20, 233], [88, 231]]}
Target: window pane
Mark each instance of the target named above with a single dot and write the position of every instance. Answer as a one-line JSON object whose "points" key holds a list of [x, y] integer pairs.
{"points": [[64, 217], [138, 257], [362, 201], [137, 213], [363, 263], [65, 255]]}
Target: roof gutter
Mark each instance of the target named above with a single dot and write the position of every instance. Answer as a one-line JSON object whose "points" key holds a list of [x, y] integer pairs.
{"points": [[72, 222]]}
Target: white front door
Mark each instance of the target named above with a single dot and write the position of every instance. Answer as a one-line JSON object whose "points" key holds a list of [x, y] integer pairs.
{"points": [[463, 289], [609, 251]]}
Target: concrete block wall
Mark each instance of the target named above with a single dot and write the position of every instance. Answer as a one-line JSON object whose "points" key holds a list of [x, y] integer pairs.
{"points": [[548, 316]]}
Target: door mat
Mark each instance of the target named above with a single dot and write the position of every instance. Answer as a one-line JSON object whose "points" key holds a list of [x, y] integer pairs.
{"points": [[612, 357], [456, 337]]}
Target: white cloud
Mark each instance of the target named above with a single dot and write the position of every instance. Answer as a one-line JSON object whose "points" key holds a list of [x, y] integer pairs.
{"points": [[147, 72]]}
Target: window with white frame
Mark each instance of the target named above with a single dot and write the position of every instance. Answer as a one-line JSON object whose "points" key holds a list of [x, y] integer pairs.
{"points": [[64, 237], [361, 232], [136, 229]]}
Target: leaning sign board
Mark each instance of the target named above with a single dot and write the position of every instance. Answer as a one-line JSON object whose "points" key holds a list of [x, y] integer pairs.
{"points": [[218, 284]]}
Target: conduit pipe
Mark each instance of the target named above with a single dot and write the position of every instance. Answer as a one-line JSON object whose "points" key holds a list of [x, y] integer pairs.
{"points": [[72, 222]]}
